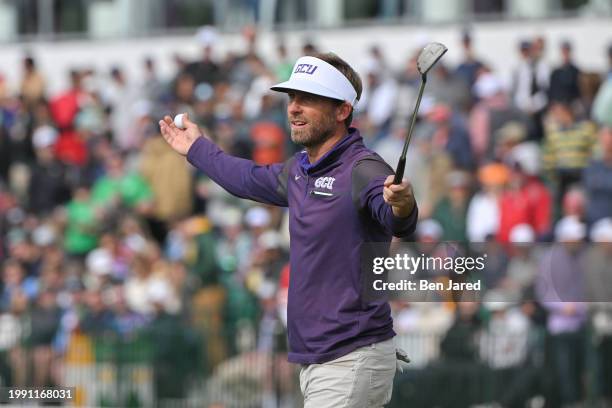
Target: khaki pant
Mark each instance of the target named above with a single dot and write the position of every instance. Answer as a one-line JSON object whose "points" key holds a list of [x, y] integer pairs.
{"points": [[360, 379]]}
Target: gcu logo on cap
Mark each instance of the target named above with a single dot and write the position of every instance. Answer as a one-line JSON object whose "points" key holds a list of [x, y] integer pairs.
{"points": [[305, 69]]}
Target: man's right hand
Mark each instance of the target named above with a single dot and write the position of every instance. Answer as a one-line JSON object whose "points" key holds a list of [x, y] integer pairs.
{"points": [[179, 139]]}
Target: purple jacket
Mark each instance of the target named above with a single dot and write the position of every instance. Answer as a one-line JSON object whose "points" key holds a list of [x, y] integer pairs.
{"points": [[335, 205]]}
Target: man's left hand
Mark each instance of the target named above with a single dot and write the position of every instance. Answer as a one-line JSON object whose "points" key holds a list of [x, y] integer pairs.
{"points": [[399, 196]]}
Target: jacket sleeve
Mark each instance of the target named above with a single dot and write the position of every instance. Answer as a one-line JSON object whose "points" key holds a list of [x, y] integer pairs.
{"points": [[240, 177], [368, 179]]}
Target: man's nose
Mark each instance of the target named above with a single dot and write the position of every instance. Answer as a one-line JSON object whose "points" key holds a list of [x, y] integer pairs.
{"points": [[294, 106]]}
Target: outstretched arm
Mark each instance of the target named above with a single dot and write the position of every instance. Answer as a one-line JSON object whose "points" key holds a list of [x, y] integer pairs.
{"points": [[392, 206], [242, 178]]}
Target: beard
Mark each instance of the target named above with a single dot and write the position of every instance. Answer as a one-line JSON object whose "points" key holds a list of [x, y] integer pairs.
{"points": [[315, 132]]}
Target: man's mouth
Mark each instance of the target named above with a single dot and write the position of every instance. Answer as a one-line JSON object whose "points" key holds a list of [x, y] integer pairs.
{"points": [[297, 124]]}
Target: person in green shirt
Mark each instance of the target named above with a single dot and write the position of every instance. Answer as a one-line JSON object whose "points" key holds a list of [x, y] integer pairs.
{"points": [[82, 221], [284, 67], [120, 188], [451, 210]]}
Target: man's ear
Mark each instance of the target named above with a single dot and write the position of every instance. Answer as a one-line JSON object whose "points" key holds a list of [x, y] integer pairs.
{"points": [[343, 111]]}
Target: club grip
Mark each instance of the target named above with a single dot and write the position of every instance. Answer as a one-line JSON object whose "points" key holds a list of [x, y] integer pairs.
{"points": [[399, 173]]}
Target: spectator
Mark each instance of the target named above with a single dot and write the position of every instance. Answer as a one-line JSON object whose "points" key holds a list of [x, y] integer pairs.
{"points": [[451, 210], [170, 182], [98, 318], [120, 96], [490, 114], [449, 133], [70, 147], [82, 227], [48, 186], [448, 89], [597, 179], [44, 328], [204, 70], [468, 68], [148, 287], [33, 85], [602, 105], [567, 148], [284, 65], [564, 80], [560, 289], [15, 283], [531, 84], [504, 347], [483, 214], [525, 201], [522, 265], [378, 102], [121, 187], [153, 86]]}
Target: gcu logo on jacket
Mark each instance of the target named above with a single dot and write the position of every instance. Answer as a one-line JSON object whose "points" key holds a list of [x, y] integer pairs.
{"points": [[305, 69], [325, 182]]}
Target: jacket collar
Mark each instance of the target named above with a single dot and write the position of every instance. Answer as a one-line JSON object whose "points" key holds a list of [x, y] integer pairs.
{"points": [[333, 154]]}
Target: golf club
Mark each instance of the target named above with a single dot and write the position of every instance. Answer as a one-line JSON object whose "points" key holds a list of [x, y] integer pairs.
{"points": [[428, 57]]}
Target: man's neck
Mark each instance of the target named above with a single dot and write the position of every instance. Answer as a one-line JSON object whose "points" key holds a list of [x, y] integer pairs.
{"points": [[316, 152]]}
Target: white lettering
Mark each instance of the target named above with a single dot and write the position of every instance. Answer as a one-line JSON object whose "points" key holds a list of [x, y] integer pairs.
{"points": [[325, 182]]}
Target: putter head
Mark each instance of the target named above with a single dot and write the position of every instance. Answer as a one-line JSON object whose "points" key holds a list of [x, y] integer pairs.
{"points": [[428, 57]]}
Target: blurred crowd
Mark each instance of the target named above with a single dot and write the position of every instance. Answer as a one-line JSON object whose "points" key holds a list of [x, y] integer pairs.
{"points": [[104, 229]]}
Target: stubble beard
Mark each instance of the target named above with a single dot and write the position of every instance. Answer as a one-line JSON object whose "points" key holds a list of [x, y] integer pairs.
{"points": [[315, 132]]}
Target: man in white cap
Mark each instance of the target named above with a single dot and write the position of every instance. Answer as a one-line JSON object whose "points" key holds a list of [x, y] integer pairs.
{"points": [[560, 289], [340, 196]]}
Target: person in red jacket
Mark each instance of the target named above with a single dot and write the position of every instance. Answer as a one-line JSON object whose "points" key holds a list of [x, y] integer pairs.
{"points": [[525, 201]]}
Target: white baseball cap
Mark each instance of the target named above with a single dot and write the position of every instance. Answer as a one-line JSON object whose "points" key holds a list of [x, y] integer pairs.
{"points": [[522, 233], [44, 136], [569, 228], [315, 76], [602, 230]]}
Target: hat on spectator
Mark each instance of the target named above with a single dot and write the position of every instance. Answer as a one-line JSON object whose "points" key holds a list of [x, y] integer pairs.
{"points": [[270, 240], [44, 235], [522, 233], [429, 228], [496, 301], [487, 85], [207, 36], [569, 228], [527, 155], [511, 132], [230, 217], [601, 231], [493, 174], [99, 262], [427, 104], [421, 39], [457, 179], [158, 291], [44, 136], [142, 108], [257, 217], [372, 66]]}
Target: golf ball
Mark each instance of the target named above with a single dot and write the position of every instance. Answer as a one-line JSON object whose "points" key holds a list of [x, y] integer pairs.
{"points": [[178, 121]]}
